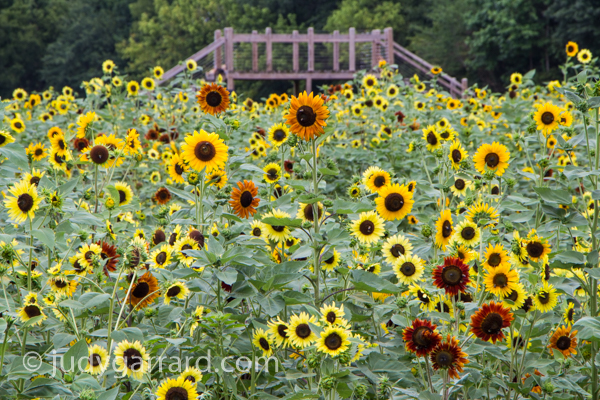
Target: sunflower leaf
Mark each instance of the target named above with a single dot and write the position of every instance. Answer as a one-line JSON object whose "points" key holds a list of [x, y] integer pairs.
{"points": [[273, 221]]}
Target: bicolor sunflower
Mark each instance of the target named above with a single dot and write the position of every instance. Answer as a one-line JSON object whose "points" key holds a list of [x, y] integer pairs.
{"points": [[244, 200], [452, 276], [213, 99], [564, 340], [307, 116], [489, 320], [448, 355], [421, 337]]}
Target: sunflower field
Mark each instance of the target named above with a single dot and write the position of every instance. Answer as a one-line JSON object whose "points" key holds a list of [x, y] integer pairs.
{"points": [[380, 240]]}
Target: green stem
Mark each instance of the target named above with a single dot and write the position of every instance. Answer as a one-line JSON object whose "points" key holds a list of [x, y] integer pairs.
{"points": [[316, 251]]}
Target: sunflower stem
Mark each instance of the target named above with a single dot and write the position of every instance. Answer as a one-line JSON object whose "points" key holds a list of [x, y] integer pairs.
{"points": [[30, 254], [316, 252], [428, 374]]}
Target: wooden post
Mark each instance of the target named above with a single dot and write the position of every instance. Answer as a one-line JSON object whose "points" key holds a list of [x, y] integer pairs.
{"points": [[336, 51], [311, 50], [255, 51], [389, 41], [218, 59], [351, 50], [296, 87], [308, 84], [229, 56], [464, 83], [269, 49], [295, 52], [375, 48]]}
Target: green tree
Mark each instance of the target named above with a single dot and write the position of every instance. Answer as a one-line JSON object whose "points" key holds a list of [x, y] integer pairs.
{"points": [[365, 15]]}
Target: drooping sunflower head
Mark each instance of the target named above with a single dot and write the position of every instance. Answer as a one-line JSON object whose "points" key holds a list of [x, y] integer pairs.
{"points": [[307, 116], [213, 99], [444, 229]]}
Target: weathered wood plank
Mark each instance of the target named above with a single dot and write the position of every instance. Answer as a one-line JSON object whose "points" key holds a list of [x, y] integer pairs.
{"points": [[269, 49], [311, 50], [218, 59], [254, 53], [375, 48], [351, 49], [389, 42], [196, 57], [276, 75], [295, 53], [229, 56], [303, 38], [336, 52]]}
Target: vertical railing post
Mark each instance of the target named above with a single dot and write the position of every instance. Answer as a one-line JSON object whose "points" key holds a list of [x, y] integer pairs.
{"points": [[464, 83], [255, 51], [269, 49], [336, 51], [375, 48], [311, 49], [295, 52], [229, 56], [308, 84], [218, 60], [389, 41], [351, 50]]}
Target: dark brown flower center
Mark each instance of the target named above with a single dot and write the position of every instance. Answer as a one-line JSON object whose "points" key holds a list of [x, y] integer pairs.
{"points": [[397, 250], [132, 359], [331, 317], [303, 331], [32, 311], [333, 341], [25, 202], [547, 118], [59, 283], [535, 249], [158, 237], [518, 342], [95, 360], [379, 181], [99, 154], [141, 290], [214, 99], [500, 280], [444, 359], [422, 336], [246, 199], [495, 259], [408, 269], [513, 296], [432, 139], [452, 275], [563, 343], [367, 227], [492, 323], [459, 184], [394, 202], [446, 229], [205, 151], [179, 169], [306, 116], [279, 135], [309, 214], [256, 232], [161, 257], [264, 344], [544, 297], [122, 196], [468, 233], [173, 291], [282, 330], [492, 160]]}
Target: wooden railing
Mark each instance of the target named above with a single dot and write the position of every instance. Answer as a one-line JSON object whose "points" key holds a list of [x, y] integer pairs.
{"points": [[340, 56]]}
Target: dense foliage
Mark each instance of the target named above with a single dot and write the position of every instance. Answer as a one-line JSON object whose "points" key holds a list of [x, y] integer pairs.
{"points": [[380, 241]]}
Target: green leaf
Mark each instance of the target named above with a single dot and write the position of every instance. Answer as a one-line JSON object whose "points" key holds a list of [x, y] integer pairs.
{"points": [[327, 171], [348, 207], [554, 195], [98, 299], [588, 328], [73, 358], [310, 198], [295, 223], [45, 236], [594, 102], [370, 282], [109, 395], [16, 155], [231, 217], [572, 97]]}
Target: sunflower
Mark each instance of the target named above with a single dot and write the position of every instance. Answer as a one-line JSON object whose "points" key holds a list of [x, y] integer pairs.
{"points": [[394, 202], [83, 123], [516, 298], [125, 193], [368, 228], [584, 56], [466, 233], [204, 150], [333, 341], [375, 179], [97, 360], [178, 290], [148, 83], [564, 340], [133, 88], [421, 337], [449, 356], [272, 173], [395, 247], [495, 256], [278, 134], [307, 116], [482, 211], [62, 285], [183, 244], [452, 276], [569, 314], [501, 280], [213, 99], [306, 212], [432, 138], [24, 201], [436, 70], [330, 263], [17, 125], [261, 340], [191, 374], [489, 320], [177, 389], [299, 331], [571, 49], [457, 154], [409, 269], [217, 179], [19, 94], [277, 233], [162, 195], [161, 257], [547, 117], [460, 187], [30, 311], [36, 151], [494, 156], [545, 299], [278, 330], [131, 359], [6, 138], [537, 249], [392, 91], [332, 315], [244, 200], [444, 229]]}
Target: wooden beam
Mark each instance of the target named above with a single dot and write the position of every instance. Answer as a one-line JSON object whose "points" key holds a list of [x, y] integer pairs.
{"points": [[229, 56], [218, 59], [389, 41], [303, 38], [290, 76], [295, 53], [351, 49], [269, 49], [196, 57], [336, 52], [311, 51], [375, 48], [254, 52]]}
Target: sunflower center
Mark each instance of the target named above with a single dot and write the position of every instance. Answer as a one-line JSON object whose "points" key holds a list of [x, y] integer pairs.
{"points": [[18, 125], [535, 249], [547, 118], [500, 280], [178, 169], [367, 227], [282, 331], [32, 311], [563, 343], [256, 232], [460, 183], [444, 359], [205, 151], [173, 291], [333, 341], [306, 116], [132, 359], [394, 202], [331, 317], [495, 259], [492, 323], [422, 297], [421, 336], [408, 269], [186, 247], [214, 99], [303, 331], [518, 342], [452, 275], [122, 196], [272, 174], [25, 202], [513, 296], [492, 160], [141, 290], [446, 229], [246, 199], [264, 344], [379, 181], [161, 257], [99, 154], [95, 360], [544, 297], [431, 138], [397, 250], [309, 213], [59, 283], [468, 233], [176, 393], [279, 135]]}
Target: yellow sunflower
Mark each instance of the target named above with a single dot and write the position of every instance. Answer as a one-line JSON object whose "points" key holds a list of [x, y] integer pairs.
{"points": [[299, 331], [584, 56], [133, 88], [493, 156], [444, 229], [17, 125], [24, 201], [204, 150], [495, 256], [84, 122], [368, 228], [262, 341], [545, 299], [178, 290], [125, 193], [375, 179], [177, 389], [394, 202], [177, 167], [6, 138], [571, 49], [97, 360], [547, 117], [277, 233], [278, 134], [213, 99], [307, 116], [457, 154], [272, 173], [278, 330], [432, 138], [396, 246], [333, 341], [131, 359], [409, 269], [466, 233], [501, 281], [36, 151]]}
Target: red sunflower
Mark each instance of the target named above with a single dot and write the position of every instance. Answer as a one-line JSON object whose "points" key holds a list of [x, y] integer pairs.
{"points": [[448, 355], [421, 337], [452, 276], [487, 323]]}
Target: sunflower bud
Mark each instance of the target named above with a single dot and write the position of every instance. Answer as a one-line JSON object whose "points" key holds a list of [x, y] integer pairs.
{"points": [[437, 170], [87, 194], [345, 357], [110, 203], [328, 203], [313, 361], [508, 226], [292, 141], [150, 312], [401, 302], [489, 175], [582, 107], [360, 391], [307, 225], [328, 382], [83, 235], [510, 182], [478, 184], [426, 230], [87, 394], [488, 373], [544, 162], [193, 178], [548, 387], [307, 175]]}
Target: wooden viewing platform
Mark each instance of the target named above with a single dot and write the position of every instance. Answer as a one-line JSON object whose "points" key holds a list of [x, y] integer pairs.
{"points": [[324, 56]]}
